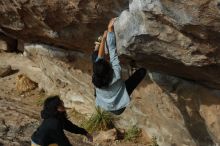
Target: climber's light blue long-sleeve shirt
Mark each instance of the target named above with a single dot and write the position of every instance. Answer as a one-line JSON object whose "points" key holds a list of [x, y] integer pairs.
{"points": [[115, 96]]}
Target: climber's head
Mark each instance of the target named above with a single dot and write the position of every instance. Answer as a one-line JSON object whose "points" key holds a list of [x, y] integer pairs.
{"points": [[53, 107], [102, 73]]}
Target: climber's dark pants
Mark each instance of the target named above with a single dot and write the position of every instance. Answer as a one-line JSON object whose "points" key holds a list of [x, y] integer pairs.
{"points": [[94, 56], [131, 83]]}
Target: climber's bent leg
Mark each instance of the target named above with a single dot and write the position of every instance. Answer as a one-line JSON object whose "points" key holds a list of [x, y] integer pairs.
{"points": [[132, 82]]}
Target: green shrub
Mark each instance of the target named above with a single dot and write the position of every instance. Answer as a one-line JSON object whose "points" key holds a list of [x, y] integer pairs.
{"points": [[40, 101], [41, 98], [132, 133], [100, 120]]}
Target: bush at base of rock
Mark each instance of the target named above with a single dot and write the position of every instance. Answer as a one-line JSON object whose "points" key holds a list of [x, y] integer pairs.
{"points": [[132, 133], [24, 84], [101, 120]]}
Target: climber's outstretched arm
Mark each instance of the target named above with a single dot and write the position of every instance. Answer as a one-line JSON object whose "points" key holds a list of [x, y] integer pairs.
{"points": [[111, 42], [101, 52]]}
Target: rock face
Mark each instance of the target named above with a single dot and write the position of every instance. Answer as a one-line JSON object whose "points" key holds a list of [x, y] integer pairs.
{"points": [[7, 44], [65, 73], [72, 24], [183, 35], [5, 70], [175, 111], [105, 136], [177, 37]]}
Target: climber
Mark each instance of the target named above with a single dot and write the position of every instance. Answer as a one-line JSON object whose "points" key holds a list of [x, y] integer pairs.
{"points": [[50, 132], [112, 93]]}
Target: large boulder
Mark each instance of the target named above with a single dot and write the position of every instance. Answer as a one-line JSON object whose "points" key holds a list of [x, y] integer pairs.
{"points": [[72, 24], [177, 37], [175, 111], [64, 73]]}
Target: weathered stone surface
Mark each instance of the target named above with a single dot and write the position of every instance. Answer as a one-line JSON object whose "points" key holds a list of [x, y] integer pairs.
{"points": [[3, 45], [182, 108], [5, 70], [65, 73], [73, 24], [58, 72], [17, 122], [20, 114], [177, 37], [177, 112], [106, 136], [7, 44]]}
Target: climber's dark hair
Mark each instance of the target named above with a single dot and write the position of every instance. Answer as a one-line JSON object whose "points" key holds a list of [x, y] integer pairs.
{"points": [[102, 73], [50, 108]]}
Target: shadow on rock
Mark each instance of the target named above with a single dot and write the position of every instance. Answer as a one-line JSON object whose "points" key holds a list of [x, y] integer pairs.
{"points": [[188, 97]]}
